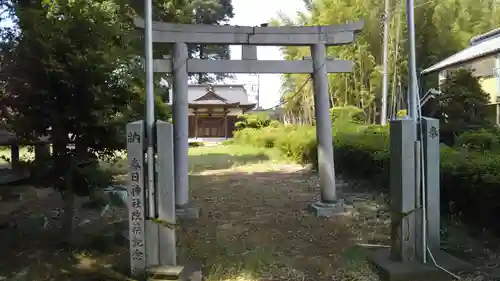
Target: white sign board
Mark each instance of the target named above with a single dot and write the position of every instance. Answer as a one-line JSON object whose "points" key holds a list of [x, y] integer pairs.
{"points": [[135, 156]]}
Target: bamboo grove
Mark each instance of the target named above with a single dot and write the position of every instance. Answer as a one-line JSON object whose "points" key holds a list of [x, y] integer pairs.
{"points": [[443, 27]]}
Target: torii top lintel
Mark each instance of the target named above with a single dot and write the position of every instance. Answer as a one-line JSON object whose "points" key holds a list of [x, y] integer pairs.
{"points": [[340, 34]]}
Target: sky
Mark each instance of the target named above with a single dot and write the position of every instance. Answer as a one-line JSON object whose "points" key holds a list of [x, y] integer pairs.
{"points": [[254, 13]]}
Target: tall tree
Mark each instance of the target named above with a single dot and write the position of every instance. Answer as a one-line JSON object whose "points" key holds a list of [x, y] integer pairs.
{"points": [[69, 70], [70, 73], [211, 12], [462, 105]]}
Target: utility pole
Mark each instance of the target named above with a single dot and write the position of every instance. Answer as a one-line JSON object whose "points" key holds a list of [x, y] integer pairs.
{"points": [[414, 97], [257, 97], [385, 58], [258, 91], [412, 62]]}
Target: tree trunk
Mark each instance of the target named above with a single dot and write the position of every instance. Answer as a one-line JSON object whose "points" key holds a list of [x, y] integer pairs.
{"points": [[63, 170], [69, 213]]}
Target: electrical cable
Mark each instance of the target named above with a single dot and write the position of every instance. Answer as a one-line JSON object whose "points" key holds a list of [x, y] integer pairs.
{"points": [[300, 88], [294, 94]]}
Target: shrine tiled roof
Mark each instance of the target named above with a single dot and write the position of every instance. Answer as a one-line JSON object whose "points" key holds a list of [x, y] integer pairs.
{"points": [[222, 94]]}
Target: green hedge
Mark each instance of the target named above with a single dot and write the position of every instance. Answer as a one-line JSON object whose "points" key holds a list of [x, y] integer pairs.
{"points": [[470, 179]]}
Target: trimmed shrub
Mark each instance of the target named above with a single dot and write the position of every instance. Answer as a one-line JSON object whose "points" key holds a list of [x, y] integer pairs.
{"points": [[253, 120], [481, 140], [347, 113], [298, 144], [470, 179], [196, 144], [402, 113]]}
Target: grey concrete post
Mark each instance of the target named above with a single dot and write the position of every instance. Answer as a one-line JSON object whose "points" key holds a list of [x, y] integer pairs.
{"points": [[180, 114], [432, 181], [14, 156], [136, 202], [402, 189], [152, 239], [419, 238], [249, 52], [323, 125], [166, 192]]}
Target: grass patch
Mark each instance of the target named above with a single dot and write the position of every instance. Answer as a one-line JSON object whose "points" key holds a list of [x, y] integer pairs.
{"points": [[24, 152], [202, 159]]}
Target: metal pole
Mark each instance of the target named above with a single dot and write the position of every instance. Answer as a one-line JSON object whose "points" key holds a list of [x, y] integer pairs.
{"points": [[181, 117], [412, 65], [150, 105], [414, 98], [323, 125], [385, 58]]}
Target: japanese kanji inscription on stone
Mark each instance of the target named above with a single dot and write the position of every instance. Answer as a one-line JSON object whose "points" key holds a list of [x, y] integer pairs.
{"points": [[135, 156]]}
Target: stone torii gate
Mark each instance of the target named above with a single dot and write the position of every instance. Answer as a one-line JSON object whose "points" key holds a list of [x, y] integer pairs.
{"points": [[152, 236], [317, 37], [152, 213]]}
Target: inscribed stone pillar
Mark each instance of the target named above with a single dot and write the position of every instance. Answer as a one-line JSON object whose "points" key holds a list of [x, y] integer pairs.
{"points": [[430, 138], [136, 204]]}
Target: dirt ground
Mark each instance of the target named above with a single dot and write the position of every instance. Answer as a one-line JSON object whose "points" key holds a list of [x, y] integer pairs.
{"points": [[254, 226]]}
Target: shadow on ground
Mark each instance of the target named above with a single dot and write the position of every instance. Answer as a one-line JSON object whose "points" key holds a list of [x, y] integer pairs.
{"points": [[254, 226], [32, 248], [42, 257]]}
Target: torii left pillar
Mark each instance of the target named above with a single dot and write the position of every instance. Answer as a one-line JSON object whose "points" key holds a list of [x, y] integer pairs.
{"points": [[180, 109]]}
